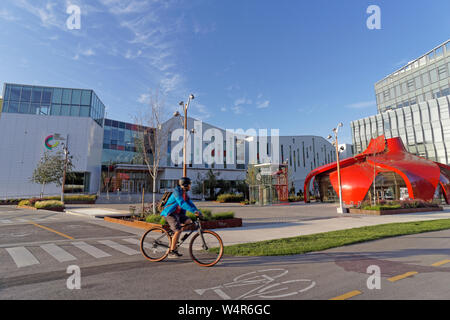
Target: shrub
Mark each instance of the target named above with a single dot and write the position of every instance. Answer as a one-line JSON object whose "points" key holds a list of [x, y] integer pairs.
{"points": [[49, 204], [295, 198], [223, 215], [24, 203], [153, 218], [229, 197]]}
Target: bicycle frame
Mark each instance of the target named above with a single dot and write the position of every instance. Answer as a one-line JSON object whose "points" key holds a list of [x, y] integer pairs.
{"points": [[198, 229]]}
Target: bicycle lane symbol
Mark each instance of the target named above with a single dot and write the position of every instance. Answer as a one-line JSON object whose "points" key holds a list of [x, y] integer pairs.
{"points": [[268, 285]]}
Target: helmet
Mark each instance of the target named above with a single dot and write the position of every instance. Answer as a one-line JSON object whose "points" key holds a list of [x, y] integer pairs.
{"points": [[185, 181]]}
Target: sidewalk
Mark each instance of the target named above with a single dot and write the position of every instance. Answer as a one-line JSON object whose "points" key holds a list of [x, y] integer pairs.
{"points": [[293, 229]]}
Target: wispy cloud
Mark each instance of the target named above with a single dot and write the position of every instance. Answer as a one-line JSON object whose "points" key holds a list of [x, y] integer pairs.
{"points": [[362, 104], [263, 105], [7, 15]]}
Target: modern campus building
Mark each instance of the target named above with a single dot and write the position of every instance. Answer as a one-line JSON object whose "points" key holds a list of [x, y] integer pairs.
{"points": [[413, 104], [106, 156]]}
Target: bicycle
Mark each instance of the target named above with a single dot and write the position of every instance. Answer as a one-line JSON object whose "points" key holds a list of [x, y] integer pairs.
{"points": [[205, 248]]}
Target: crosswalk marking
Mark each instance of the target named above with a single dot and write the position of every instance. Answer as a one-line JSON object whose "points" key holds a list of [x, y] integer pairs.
{"points": [[93, 251], [21, 220], [22, 257], [58, 253], [119, 247], [5, 221]]}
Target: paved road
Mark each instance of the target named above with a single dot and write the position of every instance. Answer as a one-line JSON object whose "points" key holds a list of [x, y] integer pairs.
{"points": [[36, 251]]}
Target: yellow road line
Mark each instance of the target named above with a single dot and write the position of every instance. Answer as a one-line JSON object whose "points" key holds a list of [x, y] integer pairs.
{"points": [[51, 230], [440, 263], [347, 295], [402, 276]]}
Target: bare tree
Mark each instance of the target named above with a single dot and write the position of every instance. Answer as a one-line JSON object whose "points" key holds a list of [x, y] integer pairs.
{"points": [[153, 136]]}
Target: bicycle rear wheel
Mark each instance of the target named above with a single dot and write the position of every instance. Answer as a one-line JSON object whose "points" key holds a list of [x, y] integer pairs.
{"points": [[155, 244], [206, 251]]}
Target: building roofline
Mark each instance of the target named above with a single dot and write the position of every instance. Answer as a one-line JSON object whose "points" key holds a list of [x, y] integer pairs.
{"points": [[409, 64]]}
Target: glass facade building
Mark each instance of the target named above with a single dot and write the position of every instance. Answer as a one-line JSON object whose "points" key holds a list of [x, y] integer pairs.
{"points": [[422, 79], [413, 104], [52, 101]]}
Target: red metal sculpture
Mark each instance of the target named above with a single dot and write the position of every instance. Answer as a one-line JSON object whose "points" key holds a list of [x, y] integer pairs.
{"points": [[421, 176]]}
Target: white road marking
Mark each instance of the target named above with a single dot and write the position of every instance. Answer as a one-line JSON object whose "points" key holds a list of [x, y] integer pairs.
{"points": [[5, 221], [22, 257], [119, 247], [93, 251], [58, 253]]}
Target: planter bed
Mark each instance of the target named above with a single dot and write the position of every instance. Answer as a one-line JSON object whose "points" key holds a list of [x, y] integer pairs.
{"points": [[47, 209], [215, 224], [393, 211]]}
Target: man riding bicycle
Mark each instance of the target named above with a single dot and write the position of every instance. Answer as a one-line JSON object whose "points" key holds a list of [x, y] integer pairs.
{"points": [[175, 212]]}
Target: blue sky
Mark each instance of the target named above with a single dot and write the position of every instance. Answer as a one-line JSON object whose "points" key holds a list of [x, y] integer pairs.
{"points": [[298, 66]]}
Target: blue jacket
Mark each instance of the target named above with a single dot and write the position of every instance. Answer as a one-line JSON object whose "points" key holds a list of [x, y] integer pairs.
{"points": [[176, 200]]}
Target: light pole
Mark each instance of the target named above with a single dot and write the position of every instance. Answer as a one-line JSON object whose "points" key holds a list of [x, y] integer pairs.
{"points": [[341, 208], [177, 114]]}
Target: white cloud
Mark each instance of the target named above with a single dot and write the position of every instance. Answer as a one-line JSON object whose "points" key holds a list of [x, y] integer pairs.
{"points": [[6, 15], [362, 104], [144, 98], [263, 105], [242, 101]]}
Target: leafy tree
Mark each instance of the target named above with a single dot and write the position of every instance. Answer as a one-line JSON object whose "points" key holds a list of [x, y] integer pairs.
{"points": [[50, 169]]}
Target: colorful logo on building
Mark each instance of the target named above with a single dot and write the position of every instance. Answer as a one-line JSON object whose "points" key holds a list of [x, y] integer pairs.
{"points": [[48, 142]]}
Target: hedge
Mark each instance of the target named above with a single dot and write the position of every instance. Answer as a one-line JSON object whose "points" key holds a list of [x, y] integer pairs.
{"points": [[230, 197], [49, 204]]}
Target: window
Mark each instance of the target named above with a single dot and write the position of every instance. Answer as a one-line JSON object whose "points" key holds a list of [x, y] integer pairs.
{"points": [[36, 95], [44, 110], [442, 71], [66, 96], [56, 110], [86, 98], [84, 111], [65, 110], [75, 111], [433, 75], [410, 85], [34, 108], [57, 95], [24, 106], [15, 94], [13, 107], [425, 79], [46, 96], [26, 95], [76, 97]]}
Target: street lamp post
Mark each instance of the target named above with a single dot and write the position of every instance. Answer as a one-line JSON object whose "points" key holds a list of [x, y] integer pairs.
{"points": [[341, 208], [185, 109], [66, 155]]}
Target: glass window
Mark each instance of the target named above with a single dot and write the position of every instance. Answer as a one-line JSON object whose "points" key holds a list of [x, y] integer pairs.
{"points": [[107, 135], [66, 96], [86, 98], [7, 93], [417, 82], [56, 110], [84, 111], [433, 75], [34, 109], [76, 97], [425, 79], [114, 134], [44, 110], [442, 71], [65, 110], [108, 123], [46, 95], [75, 111], [121, 136], [57, 94], [13, 107], [26, 94], [24, 106], [5, 107], [15, 93], [36, 95], [122, 125], [445, 92]]}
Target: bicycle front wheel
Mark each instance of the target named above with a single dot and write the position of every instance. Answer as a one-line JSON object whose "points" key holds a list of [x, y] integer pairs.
{"points": [[206, 249], [155, 244]]}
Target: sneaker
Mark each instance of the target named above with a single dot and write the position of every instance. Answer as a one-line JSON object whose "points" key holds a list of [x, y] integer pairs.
{"points": [[174, 254]]}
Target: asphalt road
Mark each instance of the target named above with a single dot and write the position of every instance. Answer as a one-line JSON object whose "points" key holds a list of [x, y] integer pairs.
{"points": [[37, 248]]}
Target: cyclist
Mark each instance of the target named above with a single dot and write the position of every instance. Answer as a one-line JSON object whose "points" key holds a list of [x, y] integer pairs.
{"points": [[175, 212]]}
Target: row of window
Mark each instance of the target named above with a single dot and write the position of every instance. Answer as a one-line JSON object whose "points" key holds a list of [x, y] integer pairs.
{"points": [[440, 92], [411, 85], [54, 110]]}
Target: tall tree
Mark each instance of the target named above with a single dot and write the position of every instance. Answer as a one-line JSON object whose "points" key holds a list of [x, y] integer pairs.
{"points": [[153, 137]]}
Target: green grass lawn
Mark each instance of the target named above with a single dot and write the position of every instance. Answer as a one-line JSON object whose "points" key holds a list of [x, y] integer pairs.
{"points": [[327, 240]]}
